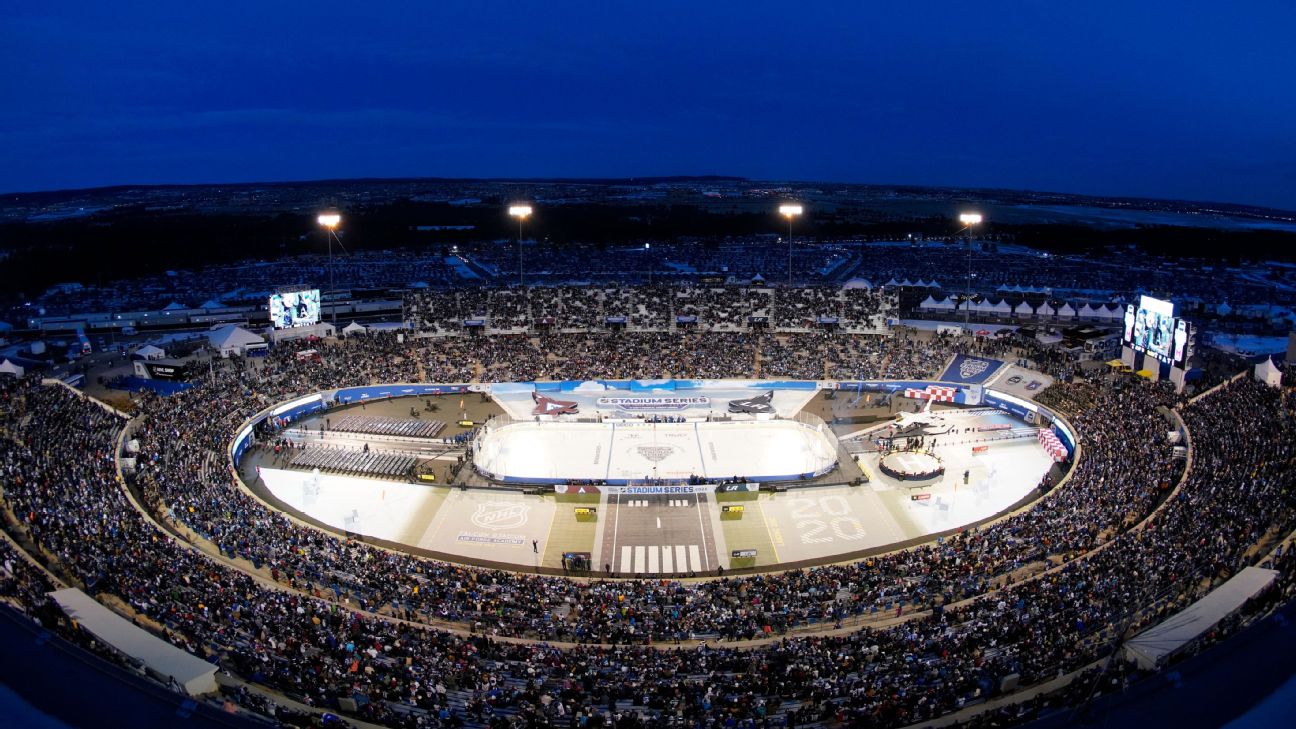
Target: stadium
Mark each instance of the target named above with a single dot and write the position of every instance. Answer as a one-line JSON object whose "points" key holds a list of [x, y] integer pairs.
{"points": [[806, 505]]}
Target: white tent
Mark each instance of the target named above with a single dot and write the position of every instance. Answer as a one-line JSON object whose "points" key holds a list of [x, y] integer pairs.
{"points": [[858, 283], [1110, 312], [9, 368], [1066, 312], [1088, 312], [1003, 308], [1023, 309], [1045, 310], [232, 339], [929, 303], [1268, 373], [164, 660], [1151, 647], [353, 328], [148, 351]]}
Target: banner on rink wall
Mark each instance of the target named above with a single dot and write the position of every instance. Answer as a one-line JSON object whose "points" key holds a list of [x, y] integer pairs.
{"points": [[963, 394], [375, 392]]}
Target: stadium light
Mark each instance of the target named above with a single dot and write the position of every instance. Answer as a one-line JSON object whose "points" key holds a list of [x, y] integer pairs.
{"points": [[329, 221], [968, 220], [520, 212], [790, 211]]}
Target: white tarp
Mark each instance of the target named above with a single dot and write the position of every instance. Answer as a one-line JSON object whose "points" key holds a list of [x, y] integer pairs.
{"points": [[1157, 643], [148, 351], [194, 674], [1268, 373], [232, 339]]}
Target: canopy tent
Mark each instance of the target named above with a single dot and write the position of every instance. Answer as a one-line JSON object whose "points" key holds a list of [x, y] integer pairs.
{"points": [[1087, 312], [194, 675], [1003, 308], [1023, 309], [7, 367], [1066, 312], [1268, 373], [858, 283], [148, 351], [232, 339], [1110, 311], [1045, 309], [353, 328], [1153, 646], [1146, 374]]}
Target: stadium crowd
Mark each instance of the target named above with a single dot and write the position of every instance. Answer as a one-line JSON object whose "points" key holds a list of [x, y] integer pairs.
{"points": [[1036, 594]]}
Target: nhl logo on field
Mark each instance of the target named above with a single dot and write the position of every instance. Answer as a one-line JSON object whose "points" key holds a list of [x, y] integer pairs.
{"points": [[500, 515], [972, 367]]}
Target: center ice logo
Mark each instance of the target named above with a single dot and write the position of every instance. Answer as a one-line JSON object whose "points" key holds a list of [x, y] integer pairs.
{"points": [[500, 515], [656, 453], [970, 368]]}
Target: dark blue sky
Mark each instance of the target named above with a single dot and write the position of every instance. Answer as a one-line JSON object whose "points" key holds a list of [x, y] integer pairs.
{"points": [[1167, 99]]}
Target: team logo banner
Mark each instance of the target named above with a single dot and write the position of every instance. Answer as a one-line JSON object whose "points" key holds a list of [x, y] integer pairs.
{"points": [[969, 369], [753, 405], [545, 405]]}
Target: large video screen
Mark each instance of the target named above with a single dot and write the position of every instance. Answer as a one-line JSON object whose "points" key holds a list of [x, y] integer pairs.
{"points": [[1153, 328], [295, 309], [1180, 343]]}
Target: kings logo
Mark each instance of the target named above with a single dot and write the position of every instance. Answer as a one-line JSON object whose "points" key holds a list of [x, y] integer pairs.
{"points": [[500, 515], [970, 368]]}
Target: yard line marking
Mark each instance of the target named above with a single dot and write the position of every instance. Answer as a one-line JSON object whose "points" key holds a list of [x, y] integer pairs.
{"points": [[666, 559], [626, 565], [695, 558], [641, 560], [681, 558], [652, 559]]}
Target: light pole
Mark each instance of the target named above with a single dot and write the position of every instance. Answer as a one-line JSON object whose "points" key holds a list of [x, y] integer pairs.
{"points": [[330, 223], [647, 249], [968, 220], [790, 211], [520, 212]]}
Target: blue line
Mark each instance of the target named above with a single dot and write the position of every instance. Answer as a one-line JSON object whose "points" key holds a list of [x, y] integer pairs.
{"points": [[608, 473], [701, 453]]}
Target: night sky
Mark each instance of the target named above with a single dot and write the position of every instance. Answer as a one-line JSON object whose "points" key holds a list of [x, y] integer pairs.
{"points": [[1189, 100]]}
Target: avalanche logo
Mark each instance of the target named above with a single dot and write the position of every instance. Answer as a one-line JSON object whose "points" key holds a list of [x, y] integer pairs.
{"points": [[970, 368], [545, 405], [500, 515]]}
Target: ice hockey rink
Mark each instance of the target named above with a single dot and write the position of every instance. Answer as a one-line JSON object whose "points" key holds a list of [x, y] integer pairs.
{"points": [[635, 451]]}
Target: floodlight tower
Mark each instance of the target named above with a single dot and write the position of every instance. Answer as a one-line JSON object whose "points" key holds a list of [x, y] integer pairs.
{"points": [[968, 220], [520, 212], [329, 221], [790, 211]]}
